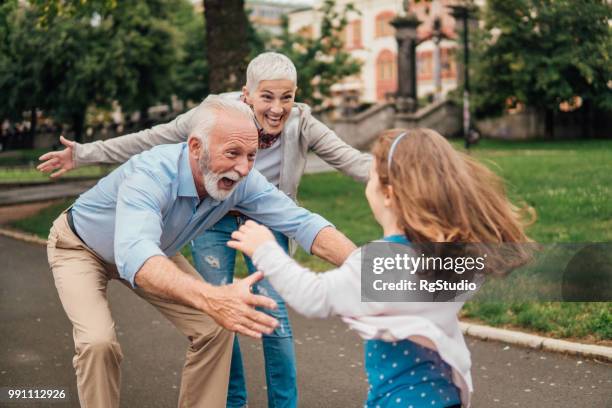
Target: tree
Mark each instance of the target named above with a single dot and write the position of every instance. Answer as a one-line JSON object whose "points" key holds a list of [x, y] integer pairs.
{"points": [[148, 51], [191, 71], [542, 53], [66, 58], [79, 67], [321, 61], [20, 67], [60, 64], [227, 44], [50, 9]]}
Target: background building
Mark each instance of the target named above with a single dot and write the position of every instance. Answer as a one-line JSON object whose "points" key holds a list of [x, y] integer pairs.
{"points": [[268, 14], [370, 38]]}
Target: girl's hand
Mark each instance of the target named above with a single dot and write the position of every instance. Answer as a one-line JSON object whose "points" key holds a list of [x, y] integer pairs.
{"points": [[249, 237], [60, 161]]}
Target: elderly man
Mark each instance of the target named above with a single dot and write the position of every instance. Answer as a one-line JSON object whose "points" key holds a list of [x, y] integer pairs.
{"points": [[288, 131], [133, 223]]}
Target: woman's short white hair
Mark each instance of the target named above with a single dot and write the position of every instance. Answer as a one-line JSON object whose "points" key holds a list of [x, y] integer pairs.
{"points": [[269, 66], [205, 116]]}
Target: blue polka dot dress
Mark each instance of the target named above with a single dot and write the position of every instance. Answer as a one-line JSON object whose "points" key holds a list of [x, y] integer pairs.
{"points": [[405, 374]]}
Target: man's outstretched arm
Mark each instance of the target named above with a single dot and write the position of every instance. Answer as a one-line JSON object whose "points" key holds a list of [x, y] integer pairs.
{"points": [[332, 245], [231, 306], [142, 263], [267, 205]]}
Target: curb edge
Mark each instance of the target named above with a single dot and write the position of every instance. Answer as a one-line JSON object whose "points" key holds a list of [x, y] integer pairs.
{"points": [[536, 342]]}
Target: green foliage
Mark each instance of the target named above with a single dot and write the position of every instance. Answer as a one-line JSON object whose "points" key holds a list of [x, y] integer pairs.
{"points": [[63, 57], [543, 52], [41, 223], [80, 68], [60, 67], [147, 50], [322, 61], [191, 71], [7, 10], [29, 175], [52, 9]]}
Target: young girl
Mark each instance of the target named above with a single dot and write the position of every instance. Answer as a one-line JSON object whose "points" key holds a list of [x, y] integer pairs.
{"points": [[420, 190]]}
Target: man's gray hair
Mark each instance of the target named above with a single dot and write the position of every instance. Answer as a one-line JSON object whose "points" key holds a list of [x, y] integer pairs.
{"points": [[269, 66], [205, 116]]}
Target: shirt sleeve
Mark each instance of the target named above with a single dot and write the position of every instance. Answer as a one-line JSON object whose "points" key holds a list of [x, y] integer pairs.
{"points": [[336, 292], [120, 149], [138, 223], [268, 205]]}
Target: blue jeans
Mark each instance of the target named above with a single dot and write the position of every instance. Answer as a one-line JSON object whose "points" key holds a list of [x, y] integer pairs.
{"points": [[215, 261]]}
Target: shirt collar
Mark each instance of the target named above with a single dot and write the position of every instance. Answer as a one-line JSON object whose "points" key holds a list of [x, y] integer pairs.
{"points": [[186, 187], [396, 239]]}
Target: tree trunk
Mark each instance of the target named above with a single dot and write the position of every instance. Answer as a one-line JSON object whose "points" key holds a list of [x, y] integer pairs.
{"points": [[78, 123], [33, 126], [587, 119], [549, 123], [227, 44], [144, 117]]}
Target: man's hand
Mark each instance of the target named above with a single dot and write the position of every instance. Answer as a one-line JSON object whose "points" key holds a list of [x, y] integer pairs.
{"points": [[249, 237], [61, 160], [231, 306]]}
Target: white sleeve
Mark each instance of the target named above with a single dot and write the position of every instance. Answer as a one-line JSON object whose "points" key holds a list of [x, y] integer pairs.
{"points": [[336, 292]]}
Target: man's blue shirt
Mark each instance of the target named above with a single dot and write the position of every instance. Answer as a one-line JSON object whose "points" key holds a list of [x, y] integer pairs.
{"points": [[149, 206]]}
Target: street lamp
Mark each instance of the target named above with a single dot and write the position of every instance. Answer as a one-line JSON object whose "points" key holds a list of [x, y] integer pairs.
{"points": [[463, 12], [437, 39]]}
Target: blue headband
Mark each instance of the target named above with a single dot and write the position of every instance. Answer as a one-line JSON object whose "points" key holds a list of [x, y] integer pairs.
{"points": [[392, 149]]}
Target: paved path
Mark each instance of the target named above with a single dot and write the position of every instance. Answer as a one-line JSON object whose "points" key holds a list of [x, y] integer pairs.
{"points": [[45, 192], [36, 344], [314, 164]]}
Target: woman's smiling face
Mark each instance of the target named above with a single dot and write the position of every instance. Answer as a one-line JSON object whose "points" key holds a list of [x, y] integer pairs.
{"points": [[272, 102]]}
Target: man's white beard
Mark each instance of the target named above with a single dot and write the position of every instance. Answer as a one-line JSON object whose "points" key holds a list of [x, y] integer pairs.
{"points": [[211, 180]]}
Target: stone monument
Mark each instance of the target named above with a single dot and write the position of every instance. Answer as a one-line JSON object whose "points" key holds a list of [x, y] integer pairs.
{"points": [[406, 36]]}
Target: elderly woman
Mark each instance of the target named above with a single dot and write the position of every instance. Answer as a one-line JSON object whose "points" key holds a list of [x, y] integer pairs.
{"points": [[287, 131]]}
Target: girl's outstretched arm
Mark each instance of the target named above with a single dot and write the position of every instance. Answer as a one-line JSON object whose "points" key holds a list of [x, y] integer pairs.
{"points": [[336, 292]]}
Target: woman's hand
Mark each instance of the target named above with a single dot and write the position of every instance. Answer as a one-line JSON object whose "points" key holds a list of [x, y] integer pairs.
{"points": [[58, 160], [249, 237]]}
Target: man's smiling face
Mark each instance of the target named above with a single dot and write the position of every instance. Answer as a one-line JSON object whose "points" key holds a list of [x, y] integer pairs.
{"points": [[232, 145], [272, 102]]}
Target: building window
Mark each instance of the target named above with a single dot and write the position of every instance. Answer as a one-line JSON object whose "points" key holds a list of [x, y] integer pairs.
{"points": [[383, 26], [425, 66], [352, 35], [306, 32], [386, 74], [356, 33], [448, 62]]}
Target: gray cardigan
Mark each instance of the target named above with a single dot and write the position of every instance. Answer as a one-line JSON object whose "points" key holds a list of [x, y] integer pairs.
{"points": [[302, 133]]}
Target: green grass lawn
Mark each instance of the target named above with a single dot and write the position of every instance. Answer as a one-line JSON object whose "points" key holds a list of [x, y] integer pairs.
{"points": [[21, 157], [19, 166], [27, 175], [567, 182]]}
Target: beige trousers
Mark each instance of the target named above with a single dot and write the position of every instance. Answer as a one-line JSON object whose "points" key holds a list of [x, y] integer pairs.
{"points": [[81, 278]]}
